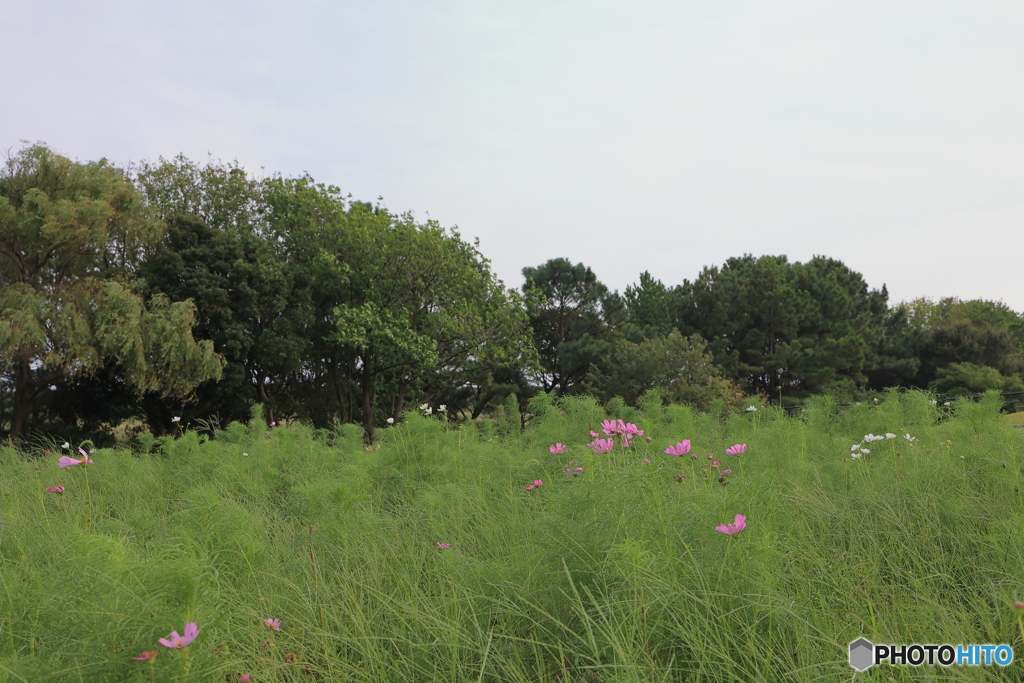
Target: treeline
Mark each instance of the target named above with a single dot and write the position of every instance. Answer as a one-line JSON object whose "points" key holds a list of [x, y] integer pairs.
{"points": [[175, 289]]}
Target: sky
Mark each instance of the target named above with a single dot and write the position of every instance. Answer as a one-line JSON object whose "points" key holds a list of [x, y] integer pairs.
{"points": [[641, 136]]}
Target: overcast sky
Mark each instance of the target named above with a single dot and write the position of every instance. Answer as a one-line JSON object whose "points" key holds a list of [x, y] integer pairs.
{"points": [[660, 136]]}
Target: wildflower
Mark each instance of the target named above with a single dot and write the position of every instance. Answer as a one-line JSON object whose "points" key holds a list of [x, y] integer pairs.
{"points": [[649, 437], [1018, 606], [537, 483], [557, 448], [442, 408], [854, 446], [716, 463], [391, 420], [750, 409], [424, 406], [645, 461], [594, 434], [174, 640], [145, 654], [736, 449], [933, 402], [67, 461], [947, 403], [273, 424], [613, 427], [65, 444], [245, 454], [890, 435], [854, 456], [865, 451], [443, 546], [244, 678], [273, 624], [868, 438], [602, 446], [725, 472], [680, 449], [737, 526], [908, 437], [175, 419], [680, 477], [55, 489]]}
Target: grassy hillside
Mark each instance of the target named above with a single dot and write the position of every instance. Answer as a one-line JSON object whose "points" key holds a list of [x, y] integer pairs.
{"points": [[614, 572]]}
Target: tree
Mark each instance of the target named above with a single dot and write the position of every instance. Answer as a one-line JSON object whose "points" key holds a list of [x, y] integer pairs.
{"points": [[71, 236], [802, 328], [650, 306], [924, 337], [678, 367], [569, 311], [968, 378]]}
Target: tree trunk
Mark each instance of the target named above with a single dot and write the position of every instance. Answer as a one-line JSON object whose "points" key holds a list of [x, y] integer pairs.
{"points": [[367, 377], [25, 390]]}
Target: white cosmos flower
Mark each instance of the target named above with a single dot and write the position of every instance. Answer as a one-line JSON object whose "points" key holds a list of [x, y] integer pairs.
{"points": [[391, 420], [175, 419], [890, 435], [908, 437], [855, 455], [865, 451], [854, 446], [442, 408], [65, 444]]}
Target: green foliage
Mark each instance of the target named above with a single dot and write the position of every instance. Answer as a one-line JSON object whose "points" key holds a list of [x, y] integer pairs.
{"points": [[924, 339], [615, 573], [679, 368], [803, 328], [570, 312], [72, 235], [960, 379]]}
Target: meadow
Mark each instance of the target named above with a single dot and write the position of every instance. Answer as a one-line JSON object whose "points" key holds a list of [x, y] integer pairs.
{"points": [[435, 556]]}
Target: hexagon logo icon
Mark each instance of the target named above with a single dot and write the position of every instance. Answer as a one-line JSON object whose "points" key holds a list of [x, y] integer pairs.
{"points": [[862, 654]]}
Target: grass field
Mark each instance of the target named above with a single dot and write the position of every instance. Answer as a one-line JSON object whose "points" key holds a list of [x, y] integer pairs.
{"points": [[615, 572]]}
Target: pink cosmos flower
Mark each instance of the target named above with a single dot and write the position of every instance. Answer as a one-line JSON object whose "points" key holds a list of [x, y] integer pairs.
{"points": [[443, 546], [613, 427], [680, 449], [737, 526], [273, 624], [244, 678], [680, 477], [632, 429], [174, 640], [648, 437], [715, 463], [736, 450], [602, 446], [537, 483], [594, 434], [725, 472], [645, 461], [67, 461], [145, 654], [557, 448], [55, 489]]}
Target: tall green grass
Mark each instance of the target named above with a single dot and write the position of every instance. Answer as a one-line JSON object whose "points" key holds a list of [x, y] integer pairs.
{"points": [[616, 574]]}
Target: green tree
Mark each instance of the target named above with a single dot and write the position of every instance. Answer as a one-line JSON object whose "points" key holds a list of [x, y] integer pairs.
{"points": [[71, 236], [777, 326], [968, 378], [571, 314], [678, 367]]}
